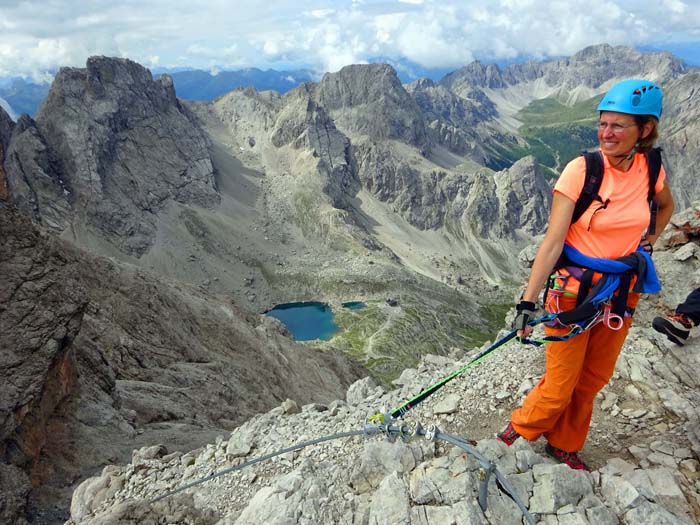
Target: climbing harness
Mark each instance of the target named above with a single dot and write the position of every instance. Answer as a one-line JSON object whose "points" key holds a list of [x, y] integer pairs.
{"points": [[392, 432]]}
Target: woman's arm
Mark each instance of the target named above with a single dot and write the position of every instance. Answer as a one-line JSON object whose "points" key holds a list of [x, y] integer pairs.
{"points": [[550, 249], [664, 199]]}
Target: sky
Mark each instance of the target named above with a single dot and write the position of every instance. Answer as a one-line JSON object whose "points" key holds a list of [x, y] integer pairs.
{"points": [[37, 37]]}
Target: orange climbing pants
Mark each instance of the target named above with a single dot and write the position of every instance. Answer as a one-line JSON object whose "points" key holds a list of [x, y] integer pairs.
{"points": [[560, 405]]}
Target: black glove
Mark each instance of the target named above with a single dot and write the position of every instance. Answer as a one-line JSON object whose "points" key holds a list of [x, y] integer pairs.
{"points": [[525, 312]]}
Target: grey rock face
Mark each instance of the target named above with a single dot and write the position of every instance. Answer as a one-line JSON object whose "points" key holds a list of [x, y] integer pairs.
{"points": [[524, 198], [36, 178], [453, 121], [6, 126], [493, 206], [370, 100], [437, 102], [120, 144], [13, 497], [304, 123], [477, 74], [42, 304], [248, 114], [680, 137]]}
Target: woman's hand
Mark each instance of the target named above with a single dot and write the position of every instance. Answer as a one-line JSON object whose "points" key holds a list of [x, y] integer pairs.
{"points": [[525, 313]]}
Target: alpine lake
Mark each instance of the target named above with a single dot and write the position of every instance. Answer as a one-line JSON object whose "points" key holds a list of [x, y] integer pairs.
{"points": [[309, 321]]}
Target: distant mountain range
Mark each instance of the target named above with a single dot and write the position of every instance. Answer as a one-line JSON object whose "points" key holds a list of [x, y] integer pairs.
{"points": [[202, 85], [22, 96]]}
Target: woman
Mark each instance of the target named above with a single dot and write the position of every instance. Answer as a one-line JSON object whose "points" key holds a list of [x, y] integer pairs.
{"points": [[560, 405]]}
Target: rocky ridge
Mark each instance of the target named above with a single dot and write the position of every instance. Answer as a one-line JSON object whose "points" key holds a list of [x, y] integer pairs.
{"points": [[644, 445], [6, 126], [590, 67], [348, 157], [681, 136], [108, 149]]}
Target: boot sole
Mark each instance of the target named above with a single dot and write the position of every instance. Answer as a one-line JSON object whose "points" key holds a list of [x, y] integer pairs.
{"points": [[674, 335]]}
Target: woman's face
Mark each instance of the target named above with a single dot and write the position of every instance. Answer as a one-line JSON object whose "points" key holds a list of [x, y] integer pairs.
{"points": [[618, 133]]}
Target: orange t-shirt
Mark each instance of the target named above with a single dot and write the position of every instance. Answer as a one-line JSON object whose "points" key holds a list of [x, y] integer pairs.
{"points": [[616, 230]]}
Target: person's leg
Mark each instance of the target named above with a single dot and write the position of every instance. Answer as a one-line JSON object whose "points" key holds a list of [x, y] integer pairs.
{"points": [[604, 345], [677, 327], [546, 402], [691, 306]]}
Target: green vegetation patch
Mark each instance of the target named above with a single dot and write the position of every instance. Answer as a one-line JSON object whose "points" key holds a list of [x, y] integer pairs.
{"points": [[493, 316], [388, 340], [548, 111], [357, 326], [556, 133]]}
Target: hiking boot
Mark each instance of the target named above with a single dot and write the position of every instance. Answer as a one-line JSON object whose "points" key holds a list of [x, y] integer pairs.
{"points": [[508, 435], [570, 458], [676, 327]]}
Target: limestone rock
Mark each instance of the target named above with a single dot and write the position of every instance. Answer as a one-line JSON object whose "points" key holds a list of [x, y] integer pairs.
{"points": [[556, 486], [361, 390], [13, 497], [370, 100], [6, 126], [114, 146]]}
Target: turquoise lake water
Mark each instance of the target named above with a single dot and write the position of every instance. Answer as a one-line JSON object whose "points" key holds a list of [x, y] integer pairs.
{"points": [[306, 321]]}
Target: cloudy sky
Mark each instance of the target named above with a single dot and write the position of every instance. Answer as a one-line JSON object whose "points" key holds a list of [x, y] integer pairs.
{"points": [[38, 36]]}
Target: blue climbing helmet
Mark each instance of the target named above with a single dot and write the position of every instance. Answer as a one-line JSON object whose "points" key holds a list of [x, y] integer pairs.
{"points": [[634, 97]]}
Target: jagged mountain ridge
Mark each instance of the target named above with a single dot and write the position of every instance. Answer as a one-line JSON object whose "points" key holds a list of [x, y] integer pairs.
{"points": [[586, 73], [112, 146]]}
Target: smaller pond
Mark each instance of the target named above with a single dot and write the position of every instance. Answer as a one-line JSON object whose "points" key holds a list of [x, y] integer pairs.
{"points": [[354, 305], [306, 321]]}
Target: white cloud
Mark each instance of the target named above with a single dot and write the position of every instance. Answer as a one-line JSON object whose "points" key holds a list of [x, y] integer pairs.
{"points": [[326, 34], [675, 6], [321, 13]]}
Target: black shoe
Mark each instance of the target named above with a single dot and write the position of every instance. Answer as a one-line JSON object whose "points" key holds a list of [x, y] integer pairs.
{"points": [[676, 327]]}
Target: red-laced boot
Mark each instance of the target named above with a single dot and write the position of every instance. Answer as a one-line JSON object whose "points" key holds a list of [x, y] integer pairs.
{"points": [[508, 435], [570, 458]]}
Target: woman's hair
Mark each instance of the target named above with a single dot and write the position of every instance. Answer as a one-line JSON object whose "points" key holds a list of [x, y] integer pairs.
{"points": [[647, 143]]}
